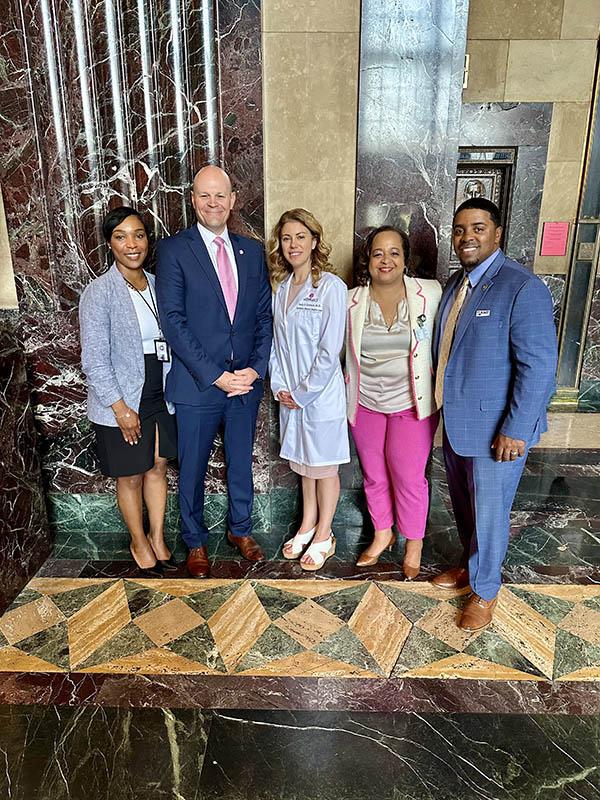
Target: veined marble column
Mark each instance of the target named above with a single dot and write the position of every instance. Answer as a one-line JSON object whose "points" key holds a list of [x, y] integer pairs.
{"points": [[411, 73]]}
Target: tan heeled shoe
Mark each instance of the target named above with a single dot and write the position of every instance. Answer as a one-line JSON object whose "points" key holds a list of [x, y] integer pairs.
{"points": [[410, 571], [365, 560]]}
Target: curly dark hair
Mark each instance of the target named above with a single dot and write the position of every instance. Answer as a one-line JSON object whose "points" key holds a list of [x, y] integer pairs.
{"points": [[361, 265]]}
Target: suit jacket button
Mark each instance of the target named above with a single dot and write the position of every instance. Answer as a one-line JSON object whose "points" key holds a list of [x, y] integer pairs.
{"points": [[419, 397], [417, 377]]}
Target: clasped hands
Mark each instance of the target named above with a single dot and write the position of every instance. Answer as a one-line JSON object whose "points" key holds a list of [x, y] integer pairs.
{"points": [[508, 449], [238, 382], [286, 399]]}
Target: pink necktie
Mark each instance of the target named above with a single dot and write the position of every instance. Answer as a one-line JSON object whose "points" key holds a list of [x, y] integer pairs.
{"points": [[226, 277]]}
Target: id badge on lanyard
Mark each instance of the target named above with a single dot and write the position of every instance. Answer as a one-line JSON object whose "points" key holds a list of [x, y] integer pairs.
{"points": [[162, 350]]}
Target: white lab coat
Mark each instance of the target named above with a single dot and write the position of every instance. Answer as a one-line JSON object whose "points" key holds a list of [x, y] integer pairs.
{"points": [[305, 360]]}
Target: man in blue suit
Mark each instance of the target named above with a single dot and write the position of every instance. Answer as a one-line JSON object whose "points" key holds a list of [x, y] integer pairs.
{"points": [[214, 300], [495, 345]]}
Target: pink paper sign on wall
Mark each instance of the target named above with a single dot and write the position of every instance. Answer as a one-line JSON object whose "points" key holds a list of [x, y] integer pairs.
{"points": [[555, 237]]}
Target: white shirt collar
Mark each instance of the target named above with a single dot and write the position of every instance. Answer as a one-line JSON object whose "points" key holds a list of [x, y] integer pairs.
{"points": [[209, 237]]}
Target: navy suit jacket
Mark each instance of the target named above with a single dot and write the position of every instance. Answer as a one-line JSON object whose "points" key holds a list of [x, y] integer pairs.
{"points": [[194, 318], [501, 370]]}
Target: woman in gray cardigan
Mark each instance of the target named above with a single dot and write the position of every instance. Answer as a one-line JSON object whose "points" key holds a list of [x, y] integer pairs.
{"points": [[125, 360]]}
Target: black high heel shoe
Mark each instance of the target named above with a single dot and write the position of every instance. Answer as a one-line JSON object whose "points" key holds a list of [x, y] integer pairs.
{"points": [[168, 564], [154, 571]]}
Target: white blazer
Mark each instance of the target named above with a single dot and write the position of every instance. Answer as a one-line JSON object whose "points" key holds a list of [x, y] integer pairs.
{"points": [[305, 360], [423, 298]]}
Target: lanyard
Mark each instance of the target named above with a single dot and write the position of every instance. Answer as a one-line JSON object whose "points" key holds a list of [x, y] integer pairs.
{"points": [[153, 308]]}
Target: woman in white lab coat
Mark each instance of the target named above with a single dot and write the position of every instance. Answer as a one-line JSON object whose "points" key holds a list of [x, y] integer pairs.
{"points": [[309, 310]]}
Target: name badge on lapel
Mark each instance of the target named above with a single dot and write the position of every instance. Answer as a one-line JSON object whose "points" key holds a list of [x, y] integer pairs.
{"points": [[482, 312], [421, 334], [310, 303]]}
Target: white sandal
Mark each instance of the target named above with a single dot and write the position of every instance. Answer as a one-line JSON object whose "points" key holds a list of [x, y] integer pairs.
{"points": [[298, 544], [319, 552]]}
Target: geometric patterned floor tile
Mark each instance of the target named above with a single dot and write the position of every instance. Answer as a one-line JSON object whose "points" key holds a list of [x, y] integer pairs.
{"points": [[308, 624], [299, 628], [573, 655], [199, 645], [51, 645], [129, 640]]}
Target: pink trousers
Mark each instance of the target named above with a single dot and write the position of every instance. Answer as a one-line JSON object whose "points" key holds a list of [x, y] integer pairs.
{"points": [[393, 451]]}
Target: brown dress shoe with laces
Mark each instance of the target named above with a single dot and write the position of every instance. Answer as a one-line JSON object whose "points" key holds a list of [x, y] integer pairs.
{"points": [[477, 613], [197, 562], [249, 549], [455, 578]]}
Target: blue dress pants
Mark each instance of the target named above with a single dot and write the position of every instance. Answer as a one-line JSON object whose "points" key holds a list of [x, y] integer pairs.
{"points": [[482, 491], [197, 427]]}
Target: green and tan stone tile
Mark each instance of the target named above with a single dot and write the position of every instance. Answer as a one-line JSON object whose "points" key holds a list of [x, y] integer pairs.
{"points": [[526, 630], [156, 661], [97, 623], [412, 604], [441, 622], [593, 603], [309, 624], [142, 599], [128, 641], [553, 608], [462, 665], [343, 603], [344, 646], [272, 645], [309, 664], [14, 660], [168, 621], [51, 645], [304, 627], [583, 622], [199, 645], [238, 624], [574, 654], [26, 620], [74, 600], [28, 595], [52, 586], [276, 601], [210, 600], [492, 648], [380, 626], [420, 649]]}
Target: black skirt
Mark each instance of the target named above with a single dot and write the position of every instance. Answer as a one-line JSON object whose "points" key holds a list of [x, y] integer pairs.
{"points": [[119, 459]]}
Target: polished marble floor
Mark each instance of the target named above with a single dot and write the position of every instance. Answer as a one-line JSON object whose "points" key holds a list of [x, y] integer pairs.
{"points": [[188, 754], [267, 683]]}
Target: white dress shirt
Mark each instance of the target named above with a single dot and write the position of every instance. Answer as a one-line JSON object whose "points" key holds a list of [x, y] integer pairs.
{"points": [[208, 238]]}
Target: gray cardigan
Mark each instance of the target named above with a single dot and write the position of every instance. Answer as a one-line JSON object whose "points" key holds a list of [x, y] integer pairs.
{"points": [[112, 354]]}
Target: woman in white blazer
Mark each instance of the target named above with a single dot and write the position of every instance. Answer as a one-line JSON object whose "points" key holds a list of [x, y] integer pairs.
{"points": [[309, 314], [389, 377]]}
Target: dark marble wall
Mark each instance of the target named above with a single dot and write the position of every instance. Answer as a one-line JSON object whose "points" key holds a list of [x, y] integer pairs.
{"points": [[25, 540], [104, 105], [589, 387], [525, 126], [411, 66]]}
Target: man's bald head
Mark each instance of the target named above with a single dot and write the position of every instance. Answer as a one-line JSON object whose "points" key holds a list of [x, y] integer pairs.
{"points": [[212, 198]]}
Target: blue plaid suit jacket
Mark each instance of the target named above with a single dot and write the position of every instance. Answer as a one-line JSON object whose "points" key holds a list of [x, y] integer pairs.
{"points": [[501, 370]]}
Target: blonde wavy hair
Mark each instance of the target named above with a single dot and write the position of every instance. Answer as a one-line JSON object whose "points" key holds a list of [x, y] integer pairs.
{"points": [[279, 268]]}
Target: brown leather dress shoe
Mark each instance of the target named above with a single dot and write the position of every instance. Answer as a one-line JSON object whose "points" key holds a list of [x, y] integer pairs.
{"points": [[455, 578], [197, 562], [477, 613], [249, 549]]}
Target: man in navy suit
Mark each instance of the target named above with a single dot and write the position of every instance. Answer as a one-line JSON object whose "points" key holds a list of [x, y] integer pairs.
{"points": [[214, 300], [495, 346]]}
